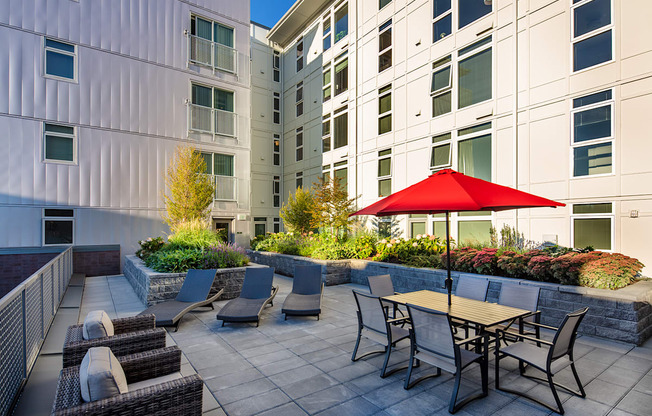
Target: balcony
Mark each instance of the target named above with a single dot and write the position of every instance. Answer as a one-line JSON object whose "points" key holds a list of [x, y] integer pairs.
{"points": [[212, 54], [210, 120], [225, 187]]}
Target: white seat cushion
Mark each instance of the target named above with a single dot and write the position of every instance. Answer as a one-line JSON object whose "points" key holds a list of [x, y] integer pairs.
{"points": [[97, 325], [101, 375], [154, 381]]}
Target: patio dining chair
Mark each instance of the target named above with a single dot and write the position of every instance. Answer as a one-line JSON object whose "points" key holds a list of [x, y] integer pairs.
{"points": [[472, 288], [307, 291], [381, 285], [522, 297], [374, 324], [551, 358], [433, 342]]}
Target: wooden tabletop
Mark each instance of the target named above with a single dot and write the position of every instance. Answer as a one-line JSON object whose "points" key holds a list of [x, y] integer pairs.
{"points": [[470, 310]]}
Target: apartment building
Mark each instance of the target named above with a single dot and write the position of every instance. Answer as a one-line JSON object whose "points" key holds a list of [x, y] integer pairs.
{"points": [[95, 97], [381, 93]]}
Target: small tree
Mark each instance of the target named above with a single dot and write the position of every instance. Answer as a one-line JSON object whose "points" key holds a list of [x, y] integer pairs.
{"points": [[333, 206], [297, 213], [191, 192]]}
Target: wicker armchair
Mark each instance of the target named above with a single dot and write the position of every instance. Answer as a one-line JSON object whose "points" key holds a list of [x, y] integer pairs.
{"points": [[182, 396], [132, 335]]}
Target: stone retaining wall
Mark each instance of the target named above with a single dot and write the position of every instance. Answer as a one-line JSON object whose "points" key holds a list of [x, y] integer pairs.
{"points": [[153, 287], [333, 272], [622, 315]]}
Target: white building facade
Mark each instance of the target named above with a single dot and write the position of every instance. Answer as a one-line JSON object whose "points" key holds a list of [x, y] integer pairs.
{"points": [[383, 92], [95, 97]]}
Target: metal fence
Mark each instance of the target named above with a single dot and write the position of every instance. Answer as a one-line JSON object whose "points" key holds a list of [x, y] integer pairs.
{"points": [[219, 57], [25, 317], [210, 120]]}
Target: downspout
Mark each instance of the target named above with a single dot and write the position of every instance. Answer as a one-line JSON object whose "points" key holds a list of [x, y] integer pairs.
{"points": [[357, 69], [515, 110]]}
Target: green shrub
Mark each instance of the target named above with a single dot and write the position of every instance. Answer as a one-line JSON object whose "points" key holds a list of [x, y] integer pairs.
{"points": [[610, 272], [193, 234], [328, 247], [181, 259], [149, 246]]}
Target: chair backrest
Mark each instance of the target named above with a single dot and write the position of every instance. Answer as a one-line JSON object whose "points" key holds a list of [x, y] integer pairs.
{"points": [[257, 283], [472, 288], [381, 285], [307, 280], [197, 285], [564, 339], [519, 296], [432, 332], [371, 311]]}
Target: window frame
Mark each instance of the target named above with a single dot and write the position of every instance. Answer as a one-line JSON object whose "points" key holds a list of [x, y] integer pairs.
{"points": [[341, 166], [45, 133], [439, 66], [74, 55], [436, 19], [276, 191], [299, 141], [340, 112], [338, 60], [276, 150], [276, 112], [327, 69], [327, 34], [447, 142], [336, 9], [45, 218], [382, 93], [277, 225], [382, 29], [595, 32], [461, 56], [611, 102], [326, 119], [381, 5], [276, 66], [298, 180], [300, 55], [610, 216], [213, 64], [299, 99], [382, 156]]}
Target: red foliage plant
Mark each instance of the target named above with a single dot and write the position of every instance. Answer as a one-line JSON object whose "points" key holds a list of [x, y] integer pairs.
{"points": [[485, 261]]}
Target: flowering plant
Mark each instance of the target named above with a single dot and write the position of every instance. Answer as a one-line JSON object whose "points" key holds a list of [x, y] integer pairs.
{"points": [[610, 272], [149, 246]]}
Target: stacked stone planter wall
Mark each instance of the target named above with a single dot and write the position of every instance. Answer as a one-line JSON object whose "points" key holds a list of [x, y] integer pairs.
{"points": [[333, 272], [153, 287], [622, 315]]}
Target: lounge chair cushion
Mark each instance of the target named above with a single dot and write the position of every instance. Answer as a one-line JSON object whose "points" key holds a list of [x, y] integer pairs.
{"points": [[97, 325], [196, 285], [150, 382], [241, 310], [257, 283], [296, 304], [307, 280], [101, 375]]}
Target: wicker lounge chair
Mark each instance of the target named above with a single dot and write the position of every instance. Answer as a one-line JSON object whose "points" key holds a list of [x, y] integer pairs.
{"points": [[194, 293], [257, 292], [131, 335], [375, 325], [180, 396], [307, 291], [551, 358]]}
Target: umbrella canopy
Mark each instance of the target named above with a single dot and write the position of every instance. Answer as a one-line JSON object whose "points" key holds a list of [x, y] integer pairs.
{"points": [[450, 191]]}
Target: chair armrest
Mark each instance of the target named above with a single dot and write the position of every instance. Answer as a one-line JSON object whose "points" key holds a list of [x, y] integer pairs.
{"points": [[540, 325], [121, 344], [521, 336], [134, 323], [398, 320], [471, 339], [151, 364]]}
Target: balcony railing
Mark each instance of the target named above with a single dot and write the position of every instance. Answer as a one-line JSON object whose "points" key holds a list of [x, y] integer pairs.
{"points": [[217, 56], [209, 120], [225, 187], [25, 317]]}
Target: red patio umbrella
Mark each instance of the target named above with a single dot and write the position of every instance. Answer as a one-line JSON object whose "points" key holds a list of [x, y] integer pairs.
{"points": [[450, 191]]}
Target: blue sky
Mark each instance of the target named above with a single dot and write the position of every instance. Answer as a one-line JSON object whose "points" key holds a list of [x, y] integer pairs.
{"points": [[268, 12]]}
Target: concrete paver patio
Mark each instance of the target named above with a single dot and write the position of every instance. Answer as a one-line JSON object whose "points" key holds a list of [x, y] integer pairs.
{"points": [[303, 366]]}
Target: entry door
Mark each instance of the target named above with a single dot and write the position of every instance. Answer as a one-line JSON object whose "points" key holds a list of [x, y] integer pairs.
{"points": [[223, 228]]}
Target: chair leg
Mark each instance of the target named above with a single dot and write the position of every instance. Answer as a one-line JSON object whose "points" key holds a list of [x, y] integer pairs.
{"points": [[388, 352], [554, 393], [409, 372], [357, 344], [286, 317], [577, 380], [484, 370], [456, 390]]}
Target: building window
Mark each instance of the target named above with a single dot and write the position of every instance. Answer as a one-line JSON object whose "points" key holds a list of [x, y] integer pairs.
{"points": [[385, 109], [385, 46], [417, 224], [276, 66], [592, 134], [276, 151], [474, 151], [474, 73], [221, 169], [341, 128], [211, 110], [340, 173], [58, 226], [383, 3], [211, 43], [59, 143], [327, 32], [326, 173], [277, 225], [592, 33], [473, 228], [299, 142], [385, 172], [299, 98], [60, 60], [592, 225], [299, 55], [276, 191], [441, 86], [470, 11], [299, 180], [439, 226], [326, 133], [259, 225], [440, 156], [341, 74], [326, 83], [341, 22], [277, 108], [442, 19]]}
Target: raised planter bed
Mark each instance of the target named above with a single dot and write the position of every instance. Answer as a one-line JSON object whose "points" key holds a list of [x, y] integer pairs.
{"points": [[153, 287], [621, 315]]}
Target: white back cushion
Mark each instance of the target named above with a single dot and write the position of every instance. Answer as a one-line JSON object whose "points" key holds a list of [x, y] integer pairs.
{"points": [[97, 325], [101, 375]]}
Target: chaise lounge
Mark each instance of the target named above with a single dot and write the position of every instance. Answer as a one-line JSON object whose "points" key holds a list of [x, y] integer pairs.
{"points": [[306, 295], [257, 292]]}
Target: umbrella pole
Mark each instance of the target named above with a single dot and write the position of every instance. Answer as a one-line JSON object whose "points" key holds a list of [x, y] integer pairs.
{"points": [[449, 281]]}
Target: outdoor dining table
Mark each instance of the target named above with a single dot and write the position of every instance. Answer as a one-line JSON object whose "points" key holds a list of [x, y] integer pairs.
{"points": [[480, 314]]}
